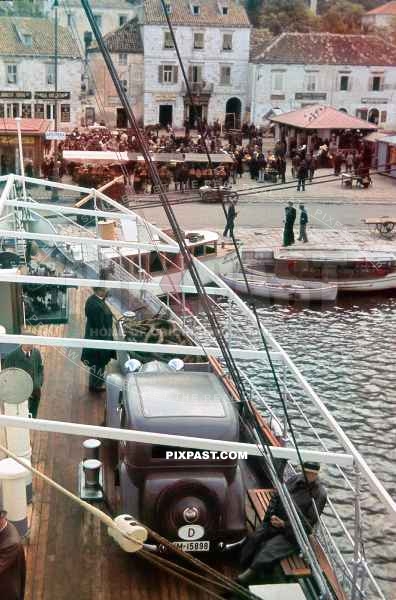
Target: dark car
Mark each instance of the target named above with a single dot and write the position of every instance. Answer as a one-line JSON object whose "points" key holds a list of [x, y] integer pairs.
{"points": [[196, 500]]}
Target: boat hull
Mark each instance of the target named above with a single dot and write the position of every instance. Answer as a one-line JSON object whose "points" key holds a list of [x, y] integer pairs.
{"points": [[277, 290]]}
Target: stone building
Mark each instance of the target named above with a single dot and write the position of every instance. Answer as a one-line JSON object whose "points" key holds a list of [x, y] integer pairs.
{"points": [[213, 39], [109, 15], [353, 73], [126, 48], [27, 72], [382, 16]]}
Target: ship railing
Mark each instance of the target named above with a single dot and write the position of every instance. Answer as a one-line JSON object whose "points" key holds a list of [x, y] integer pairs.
{"points": [[124, 275]]}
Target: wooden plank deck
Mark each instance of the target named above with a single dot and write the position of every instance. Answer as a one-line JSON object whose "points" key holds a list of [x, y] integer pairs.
{"points": [[69, 554]]}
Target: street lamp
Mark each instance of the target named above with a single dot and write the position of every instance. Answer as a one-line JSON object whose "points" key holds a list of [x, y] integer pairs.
{"points": [[54, 194]]}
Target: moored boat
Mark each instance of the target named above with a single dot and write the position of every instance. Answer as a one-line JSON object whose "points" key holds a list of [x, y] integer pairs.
{"points": [[276, 288], [350, 269]]}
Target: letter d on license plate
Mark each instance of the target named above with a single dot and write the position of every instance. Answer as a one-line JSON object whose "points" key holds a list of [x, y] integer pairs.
{"points": [[198, 546]]}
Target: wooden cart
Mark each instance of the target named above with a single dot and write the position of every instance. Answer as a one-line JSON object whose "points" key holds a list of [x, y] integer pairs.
{"points": [[384, 225], [221, 194]]}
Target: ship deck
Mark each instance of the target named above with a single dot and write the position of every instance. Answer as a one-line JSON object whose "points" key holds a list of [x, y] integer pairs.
{"points": [[69, 553]]}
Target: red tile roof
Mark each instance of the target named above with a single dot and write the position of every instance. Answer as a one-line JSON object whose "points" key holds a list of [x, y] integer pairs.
{"points": [[30, 126], [126, 39], [321, 117], [329, 49], [209, 14], [385, 9]]}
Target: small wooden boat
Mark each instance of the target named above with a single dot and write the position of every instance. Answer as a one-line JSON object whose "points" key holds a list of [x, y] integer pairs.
{"points": [[350, 269], [281, 289]]}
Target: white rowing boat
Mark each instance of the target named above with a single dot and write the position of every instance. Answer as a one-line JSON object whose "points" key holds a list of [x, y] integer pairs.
{"points": [[281, 289]]}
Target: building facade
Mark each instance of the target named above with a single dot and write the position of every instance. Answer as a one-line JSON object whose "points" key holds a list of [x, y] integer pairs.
{"points": [[103, 103], [381, 17], [27, 72], [353, 73], [109, 15], [213, 39]]}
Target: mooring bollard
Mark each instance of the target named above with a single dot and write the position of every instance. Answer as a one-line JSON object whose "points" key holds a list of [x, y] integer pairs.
{"points": [[92, 449], [13, 477], [92, 473]]}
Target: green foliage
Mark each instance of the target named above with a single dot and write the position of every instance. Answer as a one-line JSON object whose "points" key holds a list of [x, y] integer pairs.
{"points": [[283, 15], [335, 16], [342, 16], [20, 8]]}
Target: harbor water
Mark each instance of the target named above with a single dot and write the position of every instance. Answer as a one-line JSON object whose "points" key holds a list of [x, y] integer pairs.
{"points": [[347, 353]]}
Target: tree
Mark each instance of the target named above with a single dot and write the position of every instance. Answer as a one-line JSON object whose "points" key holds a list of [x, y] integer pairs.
{"points": [[342, 17], [20, 8], [285, 15]]}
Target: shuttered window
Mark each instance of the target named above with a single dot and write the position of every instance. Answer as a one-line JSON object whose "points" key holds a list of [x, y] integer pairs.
{"points": [[376, 83], [195, 73], [198, 41], [227, 41], [167, 74], [168, 41], [225, 75]]}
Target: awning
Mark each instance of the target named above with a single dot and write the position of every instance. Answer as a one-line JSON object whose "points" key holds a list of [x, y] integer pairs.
{"points": [[376, 136], [89, 156], [202, 158]]}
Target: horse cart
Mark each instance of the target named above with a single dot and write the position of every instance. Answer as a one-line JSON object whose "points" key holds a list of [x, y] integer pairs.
{"points": [[223, 193]]}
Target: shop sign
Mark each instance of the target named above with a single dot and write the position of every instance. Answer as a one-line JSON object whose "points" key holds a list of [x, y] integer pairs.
{"points": [[15, 95], [7, 139], [375, 100], [52, 95], [310, 96], [165, 97]]}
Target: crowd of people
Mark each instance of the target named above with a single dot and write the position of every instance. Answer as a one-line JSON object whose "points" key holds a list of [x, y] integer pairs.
{"points": [[244, 152]]}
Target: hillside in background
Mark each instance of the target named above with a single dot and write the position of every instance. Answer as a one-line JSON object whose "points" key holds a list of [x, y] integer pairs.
{"points": [[335, 16]]}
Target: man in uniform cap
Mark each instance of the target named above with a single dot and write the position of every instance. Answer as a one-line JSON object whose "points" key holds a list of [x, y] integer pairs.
{"points": [[275, 539], [12, 561], [28, 358]]}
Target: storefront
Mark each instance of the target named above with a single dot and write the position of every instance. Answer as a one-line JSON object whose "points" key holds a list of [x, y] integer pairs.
{"points": [[387, 155], [33, 142], [35, 105]]}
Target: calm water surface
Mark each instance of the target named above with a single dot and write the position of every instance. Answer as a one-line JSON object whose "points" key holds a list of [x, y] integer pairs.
{"points": [[347, 353]]}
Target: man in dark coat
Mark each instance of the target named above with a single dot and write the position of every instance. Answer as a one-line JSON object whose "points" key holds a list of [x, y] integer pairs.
{"points": [[28, 358], [275, 539], [302, 174], [99, 326], [303, 224], [231, 215], [290, 217], [12, 561]]}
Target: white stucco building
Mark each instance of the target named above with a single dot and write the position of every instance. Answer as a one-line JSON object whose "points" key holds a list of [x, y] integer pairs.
{"points": [[27, 72], [109, 15], [353, 73], [103, 104], [213, 39], [380, 17]]}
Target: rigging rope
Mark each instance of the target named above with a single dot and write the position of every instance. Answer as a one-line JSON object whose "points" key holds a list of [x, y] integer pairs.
{"points": [[175, 569]]}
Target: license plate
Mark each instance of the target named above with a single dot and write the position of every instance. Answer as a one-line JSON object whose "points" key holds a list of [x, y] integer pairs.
{"points": [[199, 546]]}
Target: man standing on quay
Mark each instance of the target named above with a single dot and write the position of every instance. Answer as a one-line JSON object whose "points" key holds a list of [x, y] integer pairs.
{"points": [[231, 215], [99, 326], [290, 217], [303, 224]]}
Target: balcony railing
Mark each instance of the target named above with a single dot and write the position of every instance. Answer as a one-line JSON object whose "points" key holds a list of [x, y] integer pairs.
{"points": [[198, 88]]}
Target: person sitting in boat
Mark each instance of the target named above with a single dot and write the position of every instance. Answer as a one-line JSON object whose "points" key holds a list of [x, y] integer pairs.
{"points": [[275, 539]]}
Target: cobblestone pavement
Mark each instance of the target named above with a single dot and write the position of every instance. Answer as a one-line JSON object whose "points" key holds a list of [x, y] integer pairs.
{"points": [[318, 238]]}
